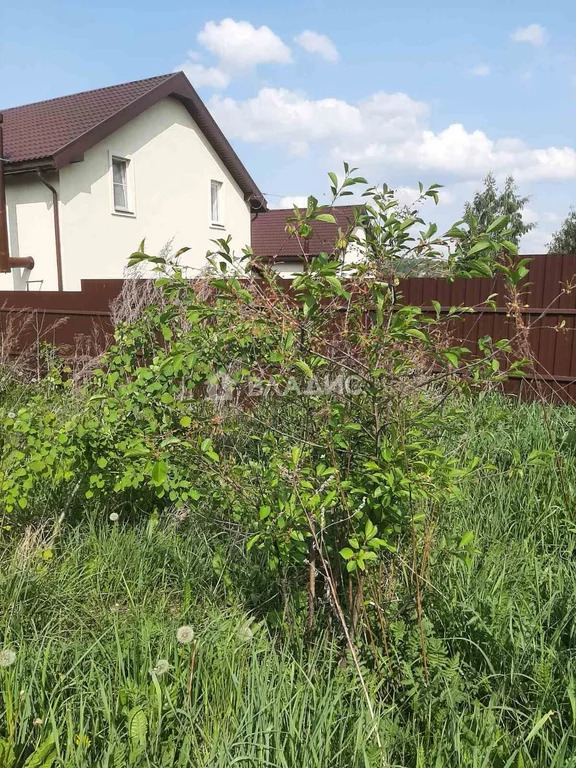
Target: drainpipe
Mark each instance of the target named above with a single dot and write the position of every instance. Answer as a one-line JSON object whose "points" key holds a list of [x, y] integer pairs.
{"points": [[6, 261], [57, 240]]}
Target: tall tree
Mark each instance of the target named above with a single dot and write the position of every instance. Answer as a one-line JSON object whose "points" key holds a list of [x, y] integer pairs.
{"points": [[492, 202], [564, 241]]}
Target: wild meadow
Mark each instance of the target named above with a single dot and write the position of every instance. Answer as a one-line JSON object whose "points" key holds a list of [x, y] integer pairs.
{"points": [[289, 526]]}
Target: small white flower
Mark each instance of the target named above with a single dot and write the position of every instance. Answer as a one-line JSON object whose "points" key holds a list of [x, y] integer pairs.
{"points": [[11, 415], [7, 657], [37, 721], [162, 666], [185, 635], [114, 516]]}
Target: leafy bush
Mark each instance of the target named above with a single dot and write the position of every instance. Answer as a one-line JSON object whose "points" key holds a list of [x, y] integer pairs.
{"points": [[316, 432]]}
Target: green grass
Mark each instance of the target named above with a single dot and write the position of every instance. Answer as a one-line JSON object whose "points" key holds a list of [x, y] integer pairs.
{"points": [[90, 608]]}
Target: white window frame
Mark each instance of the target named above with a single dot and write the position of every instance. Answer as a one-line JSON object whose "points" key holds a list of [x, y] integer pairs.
{"points": [[219, 224], [130, 209]]}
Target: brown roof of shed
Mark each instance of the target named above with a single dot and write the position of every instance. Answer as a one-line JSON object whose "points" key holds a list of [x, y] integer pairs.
{"points": [[270, 239], [59, 131]]}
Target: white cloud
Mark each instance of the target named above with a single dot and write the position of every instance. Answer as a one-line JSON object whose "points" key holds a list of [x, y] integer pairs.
{"points": [[382, 131], [535, 34], [313, 42], [282, 116], [290, 200], [240, 45], [199, 75], [482, 70], [535, 241]]}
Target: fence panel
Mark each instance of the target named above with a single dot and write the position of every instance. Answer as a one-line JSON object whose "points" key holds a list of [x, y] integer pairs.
{"points": [[79, 322]]}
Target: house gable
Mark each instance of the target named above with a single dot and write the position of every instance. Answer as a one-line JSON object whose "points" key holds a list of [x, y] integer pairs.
{"points": [[60, 131]]}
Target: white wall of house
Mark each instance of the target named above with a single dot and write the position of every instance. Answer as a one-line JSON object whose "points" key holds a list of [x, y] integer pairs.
{"points": [[288, 269], [30, 233], [170, 169]]}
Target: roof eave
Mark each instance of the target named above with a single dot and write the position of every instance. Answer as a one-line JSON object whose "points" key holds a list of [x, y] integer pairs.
{"points": [[177, 86], [29, 166]]}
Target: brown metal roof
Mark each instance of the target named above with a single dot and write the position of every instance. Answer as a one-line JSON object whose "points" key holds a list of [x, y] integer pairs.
{"points": [[59, 131], [270, 239]]}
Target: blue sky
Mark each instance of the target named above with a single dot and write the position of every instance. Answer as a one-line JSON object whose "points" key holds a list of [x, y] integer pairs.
{"points": [[409, 91]]}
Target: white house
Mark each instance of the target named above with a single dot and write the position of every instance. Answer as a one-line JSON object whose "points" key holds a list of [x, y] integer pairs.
{"points": [[88, 176]]}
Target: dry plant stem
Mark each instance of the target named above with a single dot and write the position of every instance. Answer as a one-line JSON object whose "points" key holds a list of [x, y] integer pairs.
{"points": [[335, 601], [525, 348]]}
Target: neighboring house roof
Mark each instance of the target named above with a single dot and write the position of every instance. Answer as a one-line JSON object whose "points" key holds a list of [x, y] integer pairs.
{"points": [[59, 131], [270, 239]]}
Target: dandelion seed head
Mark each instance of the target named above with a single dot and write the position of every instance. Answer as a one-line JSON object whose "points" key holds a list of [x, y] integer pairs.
{"points": [[11, 415], [7, 657], [185, 635], [114, 516], [162, 666]]}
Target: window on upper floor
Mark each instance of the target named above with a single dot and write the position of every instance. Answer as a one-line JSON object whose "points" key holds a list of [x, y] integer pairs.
{"points": [[120, 185], [216, 203]]}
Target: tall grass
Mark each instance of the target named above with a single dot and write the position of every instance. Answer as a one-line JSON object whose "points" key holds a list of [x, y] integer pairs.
{"points": [[91, 608]]}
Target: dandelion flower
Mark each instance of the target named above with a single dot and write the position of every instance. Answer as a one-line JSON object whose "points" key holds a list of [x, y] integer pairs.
{"points": [[7, 657], [162, 666], [185, 635], [114, 516]]}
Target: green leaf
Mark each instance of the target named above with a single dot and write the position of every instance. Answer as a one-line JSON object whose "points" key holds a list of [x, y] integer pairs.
{"points": [[416, 333], [452, 358], [137, 731], [159, 472], [305, 368], [541, 722], [497, 224], [347, 553], [370, 530], [44, 756], [483, 245], [466, 539], [252, 541], [510, 246], [325, 217]]}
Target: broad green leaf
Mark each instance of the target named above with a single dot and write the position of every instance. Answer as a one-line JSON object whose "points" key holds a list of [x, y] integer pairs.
{"points": [[159, 472]]}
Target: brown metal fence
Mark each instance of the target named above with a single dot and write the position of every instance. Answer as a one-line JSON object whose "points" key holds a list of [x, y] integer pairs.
{"points": [[549, 311], [74, 320]]}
